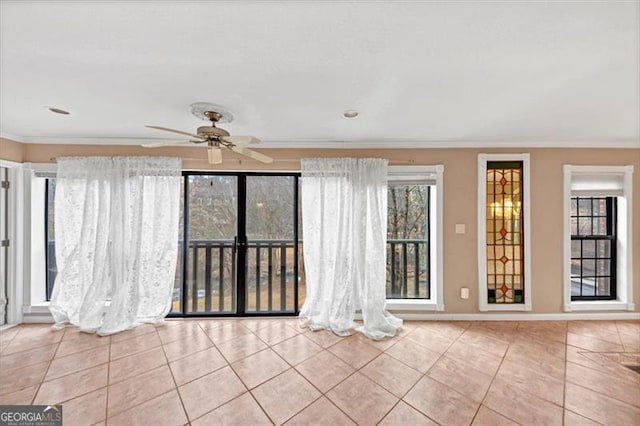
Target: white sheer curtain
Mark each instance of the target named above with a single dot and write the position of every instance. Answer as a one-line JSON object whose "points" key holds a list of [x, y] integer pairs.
{"points": [[116, 233], [344, 219]]}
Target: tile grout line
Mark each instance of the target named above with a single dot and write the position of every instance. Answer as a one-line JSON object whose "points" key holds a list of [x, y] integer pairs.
{"points": [[322, 394], [106, 405], [625, 380], [234, 372], [615, 323], [564, 382], [10, 340], [423, 375], [291, 367], [134, 376], [73, 372], [35, 395], [77, 371], [184, 409], [243, 383], [491, 383], [606, 396], [34, 349]]}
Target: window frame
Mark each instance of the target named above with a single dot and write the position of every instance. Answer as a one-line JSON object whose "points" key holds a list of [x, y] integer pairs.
{"points": [[611, 235], [15, 252], [29, 303], [624, 243], [47, 254], [483, 304], [432, 176]]}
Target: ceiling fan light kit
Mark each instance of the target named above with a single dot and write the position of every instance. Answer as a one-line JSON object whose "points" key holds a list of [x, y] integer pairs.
{"points": [[215, 155], [214, 138]]}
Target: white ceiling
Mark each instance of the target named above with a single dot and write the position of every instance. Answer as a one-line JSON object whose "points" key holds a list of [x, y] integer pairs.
{"points": [[420, 73]]}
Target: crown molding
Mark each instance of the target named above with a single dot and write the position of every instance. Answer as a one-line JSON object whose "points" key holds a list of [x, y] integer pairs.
{"points": [[11, 137], [431, 144], [342, 144]]}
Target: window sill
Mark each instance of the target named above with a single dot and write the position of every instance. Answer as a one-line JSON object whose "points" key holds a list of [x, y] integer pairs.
{"points": [[523, 307], [37, 308], [37, 313], [413, 305], [613, 305]]}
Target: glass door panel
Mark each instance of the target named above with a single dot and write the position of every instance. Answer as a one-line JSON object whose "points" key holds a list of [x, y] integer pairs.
{"points": [[176, 302], [271, 231], [211, 251]]}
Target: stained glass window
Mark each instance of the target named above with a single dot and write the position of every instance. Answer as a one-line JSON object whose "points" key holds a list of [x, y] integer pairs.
{"points": [[505, 232]]}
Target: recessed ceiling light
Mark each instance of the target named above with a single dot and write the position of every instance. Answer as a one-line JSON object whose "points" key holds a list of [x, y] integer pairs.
{"points": [[58, 111], [350, 113]]}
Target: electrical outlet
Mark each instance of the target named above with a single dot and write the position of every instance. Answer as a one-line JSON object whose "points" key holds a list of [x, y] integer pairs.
{"points": [[460, 228], [464, 292]]}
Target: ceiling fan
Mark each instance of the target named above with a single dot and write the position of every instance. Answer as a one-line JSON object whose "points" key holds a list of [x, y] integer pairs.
{"points": [[214, 138]]}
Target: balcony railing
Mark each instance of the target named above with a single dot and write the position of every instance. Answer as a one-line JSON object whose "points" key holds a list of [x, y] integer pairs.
{"points": [[270, 277], [407, 269], [270, 280]]}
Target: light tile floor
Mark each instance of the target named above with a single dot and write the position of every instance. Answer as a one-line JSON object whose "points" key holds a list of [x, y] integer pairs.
{"points": [[266, 371]]}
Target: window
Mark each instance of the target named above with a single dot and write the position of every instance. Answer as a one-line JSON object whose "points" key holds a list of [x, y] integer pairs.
{"points": [[49, 233], [408, 250], [598, 258], [414, 238], [503, 232], [39, 264], [593, 248]]}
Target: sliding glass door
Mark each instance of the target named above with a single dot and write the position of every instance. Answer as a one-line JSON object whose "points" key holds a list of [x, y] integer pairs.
{"points": [[238, 245], [271, 244]]}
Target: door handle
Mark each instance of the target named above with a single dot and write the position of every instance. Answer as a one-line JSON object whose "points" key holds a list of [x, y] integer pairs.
{"points": [[239, 242]]}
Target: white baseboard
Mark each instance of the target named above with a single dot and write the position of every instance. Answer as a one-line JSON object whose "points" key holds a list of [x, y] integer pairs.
{"points": [[45, 317], [37, 317], [565, 316], [7, 326]]}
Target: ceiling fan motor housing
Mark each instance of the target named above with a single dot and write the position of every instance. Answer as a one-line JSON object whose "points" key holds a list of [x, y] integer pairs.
{"points": [[212, 132]]}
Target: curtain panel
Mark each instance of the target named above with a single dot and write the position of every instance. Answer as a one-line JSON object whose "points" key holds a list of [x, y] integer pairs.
{"points": [[116, 222], [344, 220]]}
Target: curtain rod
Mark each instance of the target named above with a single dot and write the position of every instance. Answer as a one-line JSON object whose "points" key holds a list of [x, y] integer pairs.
{"points": [[391, 162], [190, 159]]}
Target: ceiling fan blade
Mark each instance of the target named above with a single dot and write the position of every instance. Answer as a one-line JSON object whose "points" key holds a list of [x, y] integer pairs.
{"points": [[241, 140], [161, 144], [180, 132], [252, 154], [215, 154]]}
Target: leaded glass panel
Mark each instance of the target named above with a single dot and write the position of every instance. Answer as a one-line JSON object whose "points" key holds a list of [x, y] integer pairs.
{"points": [[505, 231]]}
